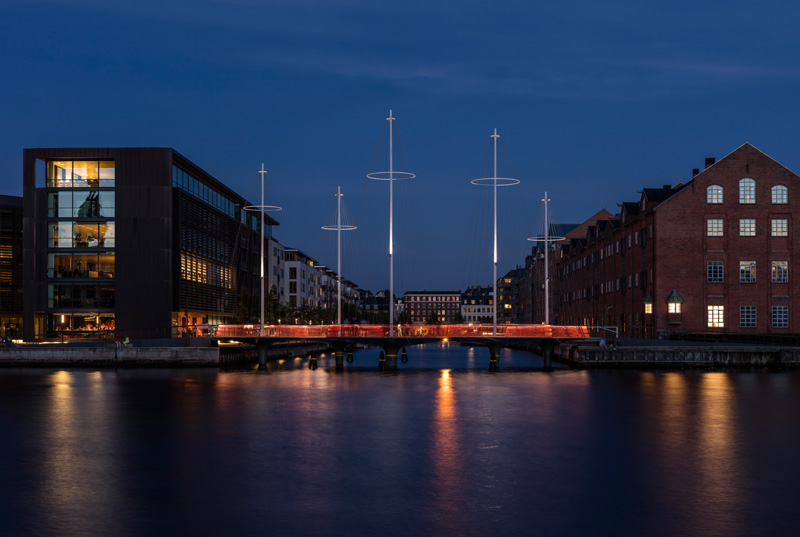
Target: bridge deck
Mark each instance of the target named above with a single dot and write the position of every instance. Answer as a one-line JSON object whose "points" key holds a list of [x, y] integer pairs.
{"points": [[406, 331]]}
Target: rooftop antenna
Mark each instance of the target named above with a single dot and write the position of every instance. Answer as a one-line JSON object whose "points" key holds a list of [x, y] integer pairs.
{"points": [[262, 209], [546, 238], [391, 176], [338, 228], [495, 182]]}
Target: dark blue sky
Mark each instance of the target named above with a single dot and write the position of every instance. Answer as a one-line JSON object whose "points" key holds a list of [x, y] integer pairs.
{"points": [[593, 100]]}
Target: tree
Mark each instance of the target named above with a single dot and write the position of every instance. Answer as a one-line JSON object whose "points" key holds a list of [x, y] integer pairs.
{"points": [[432, 319], [403, 318], [458, 319]]}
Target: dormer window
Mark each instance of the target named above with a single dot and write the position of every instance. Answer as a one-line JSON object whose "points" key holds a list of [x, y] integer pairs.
{"points": [[714, 194]]}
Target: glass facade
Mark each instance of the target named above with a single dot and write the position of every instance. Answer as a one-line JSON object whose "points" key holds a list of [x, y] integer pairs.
{"points": [[81, 239]]}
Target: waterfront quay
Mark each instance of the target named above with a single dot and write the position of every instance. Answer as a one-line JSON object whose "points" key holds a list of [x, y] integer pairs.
{"points": [[679, 356]]}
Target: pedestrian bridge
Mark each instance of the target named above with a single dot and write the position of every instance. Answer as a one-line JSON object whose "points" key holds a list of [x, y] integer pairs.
{"points": [[343, 336]]}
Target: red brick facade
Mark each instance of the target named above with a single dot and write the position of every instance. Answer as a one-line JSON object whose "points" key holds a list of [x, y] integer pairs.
{"points": [[683, 239]]}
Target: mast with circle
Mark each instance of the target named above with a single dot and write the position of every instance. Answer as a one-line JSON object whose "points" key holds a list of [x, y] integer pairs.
{"points": [[546, 238], [495, 182], [338, 228], [261, 210], [391, 176]]}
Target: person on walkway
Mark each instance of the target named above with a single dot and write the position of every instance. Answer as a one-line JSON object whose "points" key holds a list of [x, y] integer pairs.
{"points": [[603, 343], [117, 341], [126, 341]]}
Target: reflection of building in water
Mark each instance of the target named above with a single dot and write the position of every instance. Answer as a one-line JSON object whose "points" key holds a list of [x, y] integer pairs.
{"points": [[185, 253]]}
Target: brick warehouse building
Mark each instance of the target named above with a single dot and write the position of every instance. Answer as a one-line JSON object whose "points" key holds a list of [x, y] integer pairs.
{"points": [[140, 241], [712, 255]]}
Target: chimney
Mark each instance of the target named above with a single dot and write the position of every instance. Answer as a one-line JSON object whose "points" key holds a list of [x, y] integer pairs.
{"points": [[709, 161], [667, 187], [695, 171]]}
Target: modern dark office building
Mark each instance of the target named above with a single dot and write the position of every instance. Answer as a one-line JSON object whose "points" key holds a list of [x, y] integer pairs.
{"points": [[137, 241], [11, 266]]}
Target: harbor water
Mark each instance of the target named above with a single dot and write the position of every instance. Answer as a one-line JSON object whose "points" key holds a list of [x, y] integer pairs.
{"points": [[442, 447]]}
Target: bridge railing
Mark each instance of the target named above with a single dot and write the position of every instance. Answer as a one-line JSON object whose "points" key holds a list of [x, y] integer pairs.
{"points": [[404, 330]]}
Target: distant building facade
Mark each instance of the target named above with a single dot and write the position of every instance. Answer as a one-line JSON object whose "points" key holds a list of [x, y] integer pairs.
{"points": [[420, 306], [477, 305], [508, 303]]}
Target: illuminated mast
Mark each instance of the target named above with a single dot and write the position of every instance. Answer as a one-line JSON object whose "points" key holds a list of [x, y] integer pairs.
{"points": [[338, 228], [391, 176], [495, 182]]}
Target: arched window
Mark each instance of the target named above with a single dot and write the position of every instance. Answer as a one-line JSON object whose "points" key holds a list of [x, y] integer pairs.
{"points": [[747, 191], [780, 194], [714, 194]]}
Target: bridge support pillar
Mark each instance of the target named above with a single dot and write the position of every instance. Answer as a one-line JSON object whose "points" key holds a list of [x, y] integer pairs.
{"points": [[390, 360], [262, 347], [548, 346], [338, 353], [494, 357]]}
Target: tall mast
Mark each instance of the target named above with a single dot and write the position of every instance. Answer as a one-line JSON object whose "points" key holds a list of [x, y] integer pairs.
{"points": [[263, 172], [390, 119], [494, 181], [391, 175], [547, 237], [339, 254], [495, 136], [546, 263]]}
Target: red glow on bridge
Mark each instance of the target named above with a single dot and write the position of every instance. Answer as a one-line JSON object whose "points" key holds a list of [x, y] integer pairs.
{"points": [[404, 331]]}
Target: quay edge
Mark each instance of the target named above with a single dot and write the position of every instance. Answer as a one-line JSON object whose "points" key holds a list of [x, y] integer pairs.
{"points": [[680, 357]]}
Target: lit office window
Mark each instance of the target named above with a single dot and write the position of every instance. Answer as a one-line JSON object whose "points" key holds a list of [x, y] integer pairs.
{"points": [[714, 227], [747, 227], [716, 316], [780, 271], [780, 227], [747, 271]]}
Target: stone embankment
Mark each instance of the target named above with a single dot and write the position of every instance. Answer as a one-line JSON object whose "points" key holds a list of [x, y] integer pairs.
{"points": [[141, 356], [700, 356]]}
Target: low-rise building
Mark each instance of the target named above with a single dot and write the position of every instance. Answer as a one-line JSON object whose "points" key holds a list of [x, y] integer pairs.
{"points": [[422, 306], [477, 305]]}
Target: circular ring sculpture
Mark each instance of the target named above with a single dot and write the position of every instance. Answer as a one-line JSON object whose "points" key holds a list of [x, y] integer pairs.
{"points": [[548, 238], [343, 227], [495, 181], [390, 176], [265, 208]]}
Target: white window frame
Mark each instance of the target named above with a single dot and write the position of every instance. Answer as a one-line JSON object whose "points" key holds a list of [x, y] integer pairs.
{"points": [[715, 227], [780, 272], [748, 316], [714, 195], [780, 316], [779, 227], [747, 191], [716, 316], [747, 227], [780, 195]]}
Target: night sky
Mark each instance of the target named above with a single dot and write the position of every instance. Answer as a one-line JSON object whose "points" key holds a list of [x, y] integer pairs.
{"points": [[593, 100]]}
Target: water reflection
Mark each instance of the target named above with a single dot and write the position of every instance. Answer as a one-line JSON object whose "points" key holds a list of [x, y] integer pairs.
{"points": [[446, 453], [429, 451]]}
